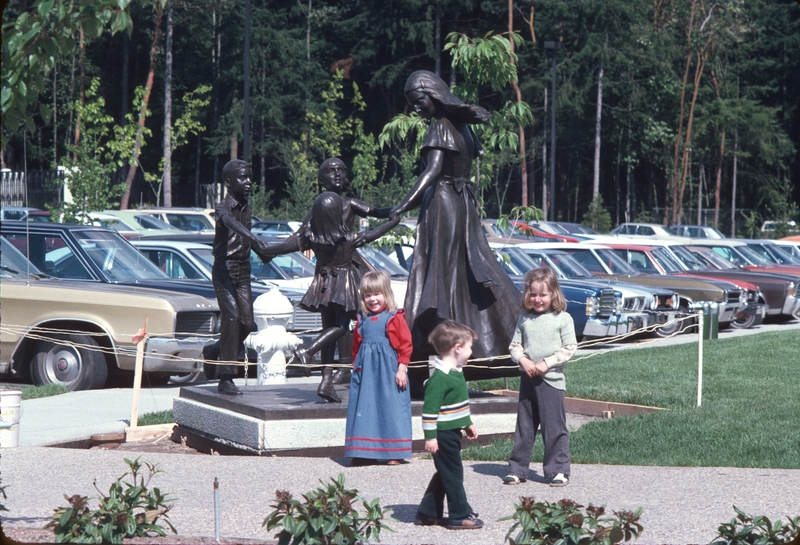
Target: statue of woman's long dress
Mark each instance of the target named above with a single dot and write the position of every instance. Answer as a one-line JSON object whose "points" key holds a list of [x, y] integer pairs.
{"points": [[454, 274]]}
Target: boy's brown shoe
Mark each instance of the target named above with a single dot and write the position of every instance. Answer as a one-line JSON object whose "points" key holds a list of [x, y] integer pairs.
{"points": [[472, 522]]}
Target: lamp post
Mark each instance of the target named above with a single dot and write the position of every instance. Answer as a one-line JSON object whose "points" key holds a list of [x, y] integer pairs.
{"points": [[246, 116], [555, 46]]}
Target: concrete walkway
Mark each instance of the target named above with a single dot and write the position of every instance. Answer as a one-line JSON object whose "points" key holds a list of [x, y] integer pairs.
{"points": [[681, 505]]}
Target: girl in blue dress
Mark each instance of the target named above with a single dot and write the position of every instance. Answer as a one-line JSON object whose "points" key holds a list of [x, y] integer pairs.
{"points": [[379, 406]]}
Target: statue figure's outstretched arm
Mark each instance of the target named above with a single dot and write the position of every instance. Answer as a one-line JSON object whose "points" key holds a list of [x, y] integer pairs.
{"points": [[434, 161], [374, 234]]}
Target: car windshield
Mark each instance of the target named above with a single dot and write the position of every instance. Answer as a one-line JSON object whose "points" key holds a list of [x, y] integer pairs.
{"points": [[690, 261], [293, 265], [12, 263], [382, 262], [568, 265], [190, 222], [615, 262], [752, 257], [774, 253], [712, 259], [665, 259], [518, 260], [117, 260], [146, 221]]}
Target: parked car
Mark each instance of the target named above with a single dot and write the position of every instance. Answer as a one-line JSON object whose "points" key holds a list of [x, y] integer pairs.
{"points": [[642, 230], [790, 246], [743, 255], [185, 219], [645, 306], [75, 333], [683, 263], [15, 213], [186, 259], [596, 311], [145, 224], [577, 228], [652, 260], [292, 270], [772, 226], [696, 231], [275, 228], [777, 291]]}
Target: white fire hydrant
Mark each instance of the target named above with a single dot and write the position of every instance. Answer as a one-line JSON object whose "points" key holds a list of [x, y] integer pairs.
{"points": [[272, 312]]}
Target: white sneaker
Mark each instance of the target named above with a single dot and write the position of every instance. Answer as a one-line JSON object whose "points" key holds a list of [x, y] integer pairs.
{"points": [[560, 480]]}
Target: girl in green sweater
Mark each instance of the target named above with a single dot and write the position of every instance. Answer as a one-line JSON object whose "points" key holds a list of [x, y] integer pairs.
{"points": [[543, 342]]}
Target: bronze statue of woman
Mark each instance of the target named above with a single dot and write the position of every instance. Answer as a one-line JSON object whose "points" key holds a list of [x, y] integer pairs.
{"points": [[454, 274]]}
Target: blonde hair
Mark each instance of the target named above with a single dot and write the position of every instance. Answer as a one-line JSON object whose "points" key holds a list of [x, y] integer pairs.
{"points": [[448, 334], [376, 282], [546, 276]]}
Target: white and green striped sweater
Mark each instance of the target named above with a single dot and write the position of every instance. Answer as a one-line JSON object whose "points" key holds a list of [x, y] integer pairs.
{"points": [[446, 405]]}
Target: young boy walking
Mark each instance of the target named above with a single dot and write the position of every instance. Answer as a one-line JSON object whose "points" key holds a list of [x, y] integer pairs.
{"points": [[445, 412]]}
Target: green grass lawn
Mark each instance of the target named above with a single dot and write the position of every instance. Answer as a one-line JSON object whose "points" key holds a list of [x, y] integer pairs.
{"points": [[750, 413]]}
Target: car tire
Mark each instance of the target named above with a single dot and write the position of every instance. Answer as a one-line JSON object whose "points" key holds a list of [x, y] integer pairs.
{"points": [[675, 327], [74, 361], [188, 378], [743, 321]]}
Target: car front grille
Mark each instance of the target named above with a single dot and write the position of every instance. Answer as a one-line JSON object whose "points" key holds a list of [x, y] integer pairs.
{"points": [[664, 302], [734, 296], [198, 323], [303, 320], [634, 304], [607, 302]]}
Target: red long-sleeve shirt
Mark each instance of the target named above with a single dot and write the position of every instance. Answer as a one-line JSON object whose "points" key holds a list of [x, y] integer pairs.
{"points": [[398, 333]]}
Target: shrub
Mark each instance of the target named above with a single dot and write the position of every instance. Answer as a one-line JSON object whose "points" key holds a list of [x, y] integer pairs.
{"points": [[326, 515], [746, 530], [127, 511], [563, 523]]}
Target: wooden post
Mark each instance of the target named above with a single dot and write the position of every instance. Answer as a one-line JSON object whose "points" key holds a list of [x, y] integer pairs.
{"points": [[141, 340]]}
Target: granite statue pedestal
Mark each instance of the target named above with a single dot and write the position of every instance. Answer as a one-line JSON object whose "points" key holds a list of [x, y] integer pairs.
{"points": [[291, 420]]}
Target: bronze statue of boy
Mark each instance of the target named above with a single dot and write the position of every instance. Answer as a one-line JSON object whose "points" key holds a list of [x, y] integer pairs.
{"points": [[231, 271]]}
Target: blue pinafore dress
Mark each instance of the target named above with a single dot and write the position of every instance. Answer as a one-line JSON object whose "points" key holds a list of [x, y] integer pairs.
{"points": [[378, 411]]}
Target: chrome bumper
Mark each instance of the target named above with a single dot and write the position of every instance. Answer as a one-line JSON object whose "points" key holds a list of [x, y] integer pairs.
{"points": [[175, 355], [606, 327], [728, 312], [791, 305]]}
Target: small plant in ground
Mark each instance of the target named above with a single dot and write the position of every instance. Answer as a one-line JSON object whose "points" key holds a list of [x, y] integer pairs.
{"points": [[45, 390], [326, 515], [563, 523], [129, 510], [746, 530], [158, 417]]}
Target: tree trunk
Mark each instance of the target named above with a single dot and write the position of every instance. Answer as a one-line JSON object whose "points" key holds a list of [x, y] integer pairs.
{"points": [[166, 177], [137, 145], [545, 200], [437, 41], [598, 117], [673, 192], [522, 151], [81, 87]]}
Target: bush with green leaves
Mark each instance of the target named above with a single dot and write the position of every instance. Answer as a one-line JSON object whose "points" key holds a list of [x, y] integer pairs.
{"points": [[129, 510], [325, 516], [759, 530], [564, 523]]}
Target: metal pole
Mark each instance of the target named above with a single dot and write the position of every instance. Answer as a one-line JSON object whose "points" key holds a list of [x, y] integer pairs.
{"points": [[216, 509], [555, 46], [246, 119], [700, 357], [553, 145]]}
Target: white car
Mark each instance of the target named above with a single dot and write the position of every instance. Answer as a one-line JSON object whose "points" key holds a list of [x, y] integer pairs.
{"points": [[642, 230], [194, 260]]}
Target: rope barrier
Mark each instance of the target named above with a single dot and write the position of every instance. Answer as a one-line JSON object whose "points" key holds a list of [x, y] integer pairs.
{"points": [[41, 333]]}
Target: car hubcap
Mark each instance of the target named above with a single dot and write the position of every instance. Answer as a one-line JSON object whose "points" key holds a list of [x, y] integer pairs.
{"points": [[63, 365]]}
